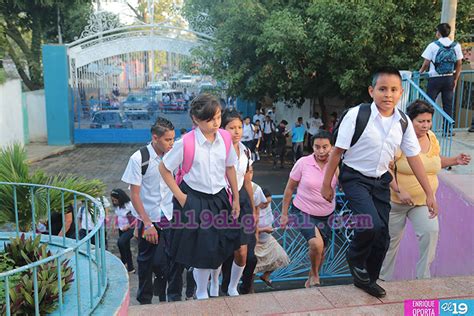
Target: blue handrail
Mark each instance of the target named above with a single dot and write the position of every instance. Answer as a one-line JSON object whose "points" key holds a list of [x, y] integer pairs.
{"points": [[67, 248]]}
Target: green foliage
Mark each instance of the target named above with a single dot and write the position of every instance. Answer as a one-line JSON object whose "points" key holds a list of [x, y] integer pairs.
{"points": [[3, 76], [21, 251], [27, 24], [14, 168], [314, 49]]}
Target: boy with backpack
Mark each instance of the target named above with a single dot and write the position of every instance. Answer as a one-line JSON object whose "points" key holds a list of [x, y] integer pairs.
{"points": [[368, 136], [443, 58], [152, 202]]}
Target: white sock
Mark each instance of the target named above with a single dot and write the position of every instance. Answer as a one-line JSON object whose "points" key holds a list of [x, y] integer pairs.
{"points": [[201, 276], [214, 288], [235, 275]]}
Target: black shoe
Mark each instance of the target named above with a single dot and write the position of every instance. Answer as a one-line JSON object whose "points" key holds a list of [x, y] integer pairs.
{"points": [[373, 289], [360, 275]]}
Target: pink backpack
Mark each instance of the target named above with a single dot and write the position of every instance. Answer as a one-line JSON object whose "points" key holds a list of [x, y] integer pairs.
{"points": [[189, 149]]}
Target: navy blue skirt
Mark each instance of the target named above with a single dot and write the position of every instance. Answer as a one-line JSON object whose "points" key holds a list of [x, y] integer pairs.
{"points": [[203, 233], [246, 219]]}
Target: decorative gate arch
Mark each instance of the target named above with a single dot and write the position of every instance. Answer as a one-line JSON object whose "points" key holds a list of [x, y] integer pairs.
{"points": [[123, 77]]}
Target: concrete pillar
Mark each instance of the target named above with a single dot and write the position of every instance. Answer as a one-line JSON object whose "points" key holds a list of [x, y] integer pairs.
{"points": [[448, 15], [57, 95]]}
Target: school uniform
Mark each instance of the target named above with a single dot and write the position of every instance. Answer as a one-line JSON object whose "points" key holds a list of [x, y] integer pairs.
{"points": [[365, 180], [126, 224], [196, 241], [247, 232], [157, 202]]}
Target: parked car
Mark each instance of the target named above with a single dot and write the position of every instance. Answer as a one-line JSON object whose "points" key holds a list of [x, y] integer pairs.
{"points": [[186, 81], [171, 100], [110, 119], [140, 105]]}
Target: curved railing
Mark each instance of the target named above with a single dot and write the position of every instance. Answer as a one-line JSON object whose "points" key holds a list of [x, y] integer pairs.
{"points": [[87, 253]]}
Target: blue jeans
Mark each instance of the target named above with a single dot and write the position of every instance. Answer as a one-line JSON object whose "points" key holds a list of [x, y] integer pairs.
{"points": [[443, 85]]}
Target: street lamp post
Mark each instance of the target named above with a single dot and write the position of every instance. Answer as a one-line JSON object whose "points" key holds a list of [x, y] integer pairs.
{"points": [[448, 15]]}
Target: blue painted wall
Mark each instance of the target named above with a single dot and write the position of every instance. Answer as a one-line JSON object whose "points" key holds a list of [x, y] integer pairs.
{"points": [[57, 94], [247, 108]]}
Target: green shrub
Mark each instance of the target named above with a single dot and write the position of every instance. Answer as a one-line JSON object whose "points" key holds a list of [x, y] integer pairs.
{"points": [[21, 251], [14, 168]]}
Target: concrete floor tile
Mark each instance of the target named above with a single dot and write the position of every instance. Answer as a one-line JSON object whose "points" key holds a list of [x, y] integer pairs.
{"points": [[255, 304], [347, 295], [302, 300], [153, 309], [214, 306]]}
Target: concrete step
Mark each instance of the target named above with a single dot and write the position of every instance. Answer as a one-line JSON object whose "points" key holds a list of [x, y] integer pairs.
{"points": [[328, 300]]}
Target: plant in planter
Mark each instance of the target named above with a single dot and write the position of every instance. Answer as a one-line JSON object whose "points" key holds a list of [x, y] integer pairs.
{"points": [[21, 251]]}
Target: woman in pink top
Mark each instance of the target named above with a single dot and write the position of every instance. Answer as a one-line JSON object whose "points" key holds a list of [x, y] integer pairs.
{"points": [[310, 211]]}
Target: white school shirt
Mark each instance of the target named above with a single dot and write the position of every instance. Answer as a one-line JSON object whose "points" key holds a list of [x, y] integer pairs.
{"points": [[432, 49], [156, 197], [208, 170], [86, 218], [314, 125], [122, 212], [241, 165], [247, 134], [267, 127], [375, 148], [257, 134]]}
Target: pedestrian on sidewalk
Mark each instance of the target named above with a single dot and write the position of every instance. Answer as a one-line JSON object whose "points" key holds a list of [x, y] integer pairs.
{"points": [[201, 193], [297, 139], [279, 153], [313, 125], [152, 201], [257, 140], [310, 212], [268, 129], [126, 222], [408, 200], [443, 59], [365, 176]]}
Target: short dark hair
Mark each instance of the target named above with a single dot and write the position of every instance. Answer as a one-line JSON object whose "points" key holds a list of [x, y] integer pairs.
{"points": [[121, 196], [284, 122], [300, 119], [204, 107], [322, 134], [266, 192], [257, 121], [418, 107], [385, 71], [161, 126], [444, 29], [228, 115]]}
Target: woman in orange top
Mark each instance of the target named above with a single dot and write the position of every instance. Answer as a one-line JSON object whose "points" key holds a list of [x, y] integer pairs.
{"points": [[408, 198]]}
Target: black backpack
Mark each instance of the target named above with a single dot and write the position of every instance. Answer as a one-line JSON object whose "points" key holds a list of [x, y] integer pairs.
{"points": [[361, 122], [145, 159]]}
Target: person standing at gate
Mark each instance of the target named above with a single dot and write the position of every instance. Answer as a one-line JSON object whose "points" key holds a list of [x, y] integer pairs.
{"points": [[365, 177], [443, 58], [152, 202]]}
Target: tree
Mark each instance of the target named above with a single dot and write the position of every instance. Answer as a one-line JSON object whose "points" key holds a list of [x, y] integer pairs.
{"points": [[294, 50], [27, 24]]}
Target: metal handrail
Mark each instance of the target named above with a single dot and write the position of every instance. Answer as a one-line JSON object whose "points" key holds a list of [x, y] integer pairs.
{"points": [[98, 259]]}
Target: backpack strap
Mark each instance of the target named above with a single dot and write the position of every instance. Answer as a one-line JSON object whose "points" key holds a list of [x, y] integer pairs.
{"points": [[188, 151], [227, 141], [403, 121], [361, 121], [145, 159]]}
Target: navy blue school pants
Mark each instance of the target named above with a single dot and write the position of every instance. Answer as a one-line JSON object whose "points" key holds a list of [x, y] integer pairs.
{"points": [[369, 200], [155, 259]]}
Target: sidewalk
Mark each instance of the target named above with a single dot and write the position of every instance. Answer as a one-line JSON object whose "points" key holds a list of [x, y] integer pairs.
{"points": [[38, 151], [330, 300]]}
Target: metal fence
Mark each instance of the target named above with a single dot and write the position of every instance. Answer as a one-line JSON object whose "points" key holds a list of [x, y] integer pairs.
{"points": [[463, 103], [87, 255], [442, 123], [334, 265]]}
